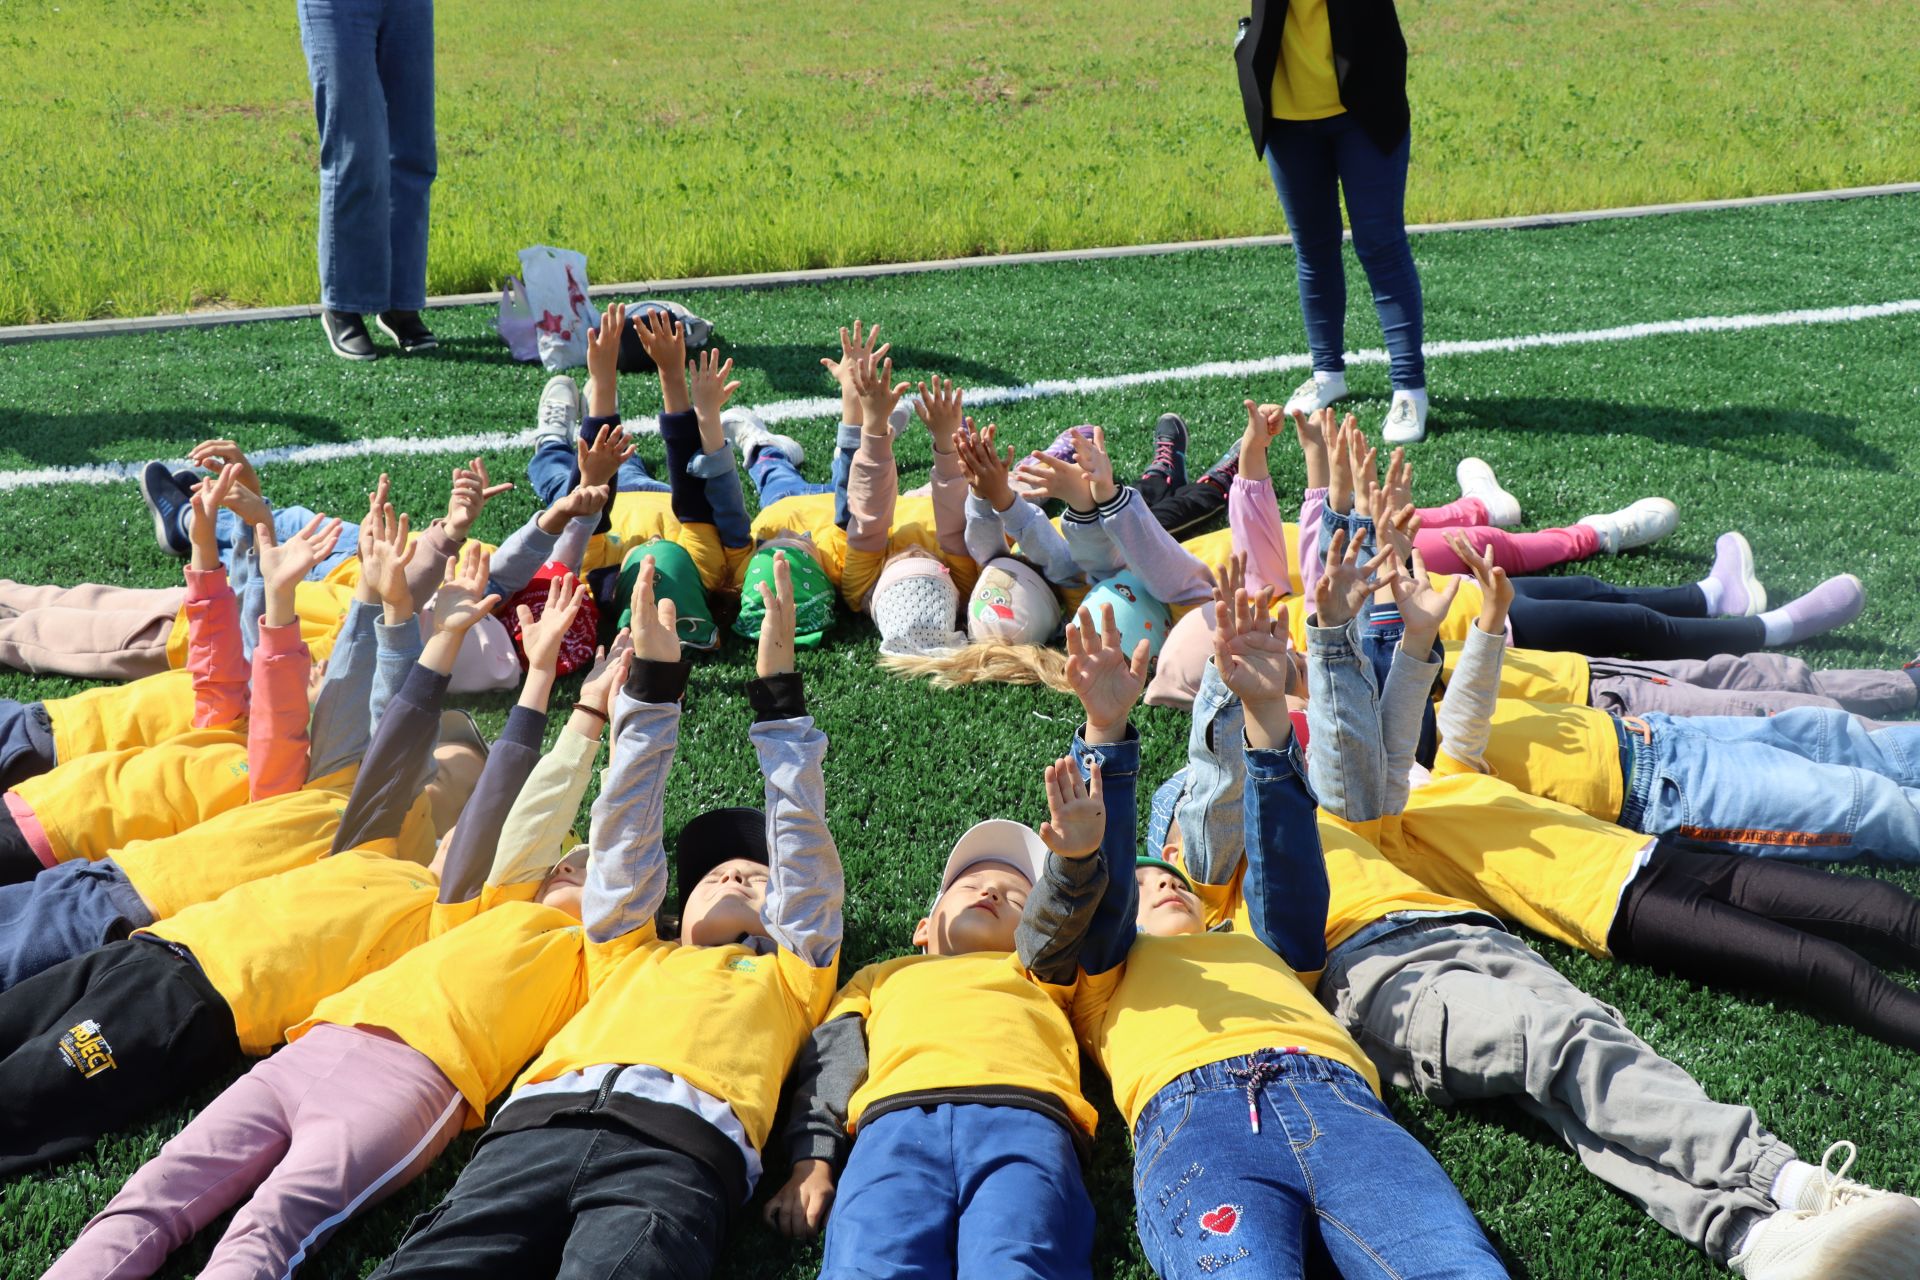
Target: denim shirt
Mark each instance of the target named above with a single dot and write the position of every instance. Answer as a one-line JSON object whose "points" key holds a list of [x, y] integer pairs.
{"points": [[1365, 737]]}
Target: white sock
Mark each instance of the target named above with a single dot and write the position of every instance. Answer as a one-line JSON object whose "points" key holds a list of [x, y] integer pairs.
{"points": [[1778, 626], [1321, 379], [1710, 588], [1417, 394], [1792, 1182]]}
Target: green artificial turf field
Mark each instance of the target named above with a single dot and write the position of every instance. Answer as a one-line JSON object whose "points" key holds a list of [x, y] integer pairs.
{"points": [[1800, 434], [163, 159]]}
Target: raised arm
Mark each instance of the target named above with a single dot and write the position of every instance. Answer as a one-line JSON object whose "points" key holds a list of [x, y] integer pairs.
{"points": [[873, 484], [1209, 813], [1253, 513], [277, 742], [216, 658], [1348, 762], [940, 407], [1059, 912], [342, 722], [1466, 711]]}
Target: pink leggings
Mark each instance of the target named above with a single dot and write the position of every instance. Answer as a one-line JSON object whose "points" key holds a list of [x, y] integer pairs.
{"points": [[1514, 552], [339, 1119]]}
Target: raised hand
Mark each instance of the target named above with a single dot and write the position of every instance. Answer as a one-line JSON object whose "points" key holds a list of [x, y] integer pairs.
{"points": [[1090, 451], [1263, 423], [853, 349], [473, 489], [540, 638], [385, 553], [656, 625], [1076, 809], [1040, 476], [203, 521], [1105, 679], [248, 505], [1397, 491], [1496, 592], [665, 341], [462, 599], [1395, 528], [711, 390], [1340, 466], [776, 627], [603, 347], [799, 1209], [1251, 648], [1422, 606], [984, 467], [873, 383], [939, 406], [1363, 462], [585, 500], [283, 566], [217, 455], [601, 461], [609, 672], [1346, 581]]}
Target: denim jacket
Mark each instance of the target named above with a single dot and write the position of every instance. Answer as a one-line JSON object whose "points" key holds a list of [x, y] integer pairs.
{"points": [[1364, 737]]}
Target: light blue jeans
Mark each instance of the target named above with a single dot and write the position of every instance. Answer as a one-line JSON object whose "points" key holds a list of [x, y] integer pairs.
{"points": [[1808, 784], [287, 521], [371, 66]]}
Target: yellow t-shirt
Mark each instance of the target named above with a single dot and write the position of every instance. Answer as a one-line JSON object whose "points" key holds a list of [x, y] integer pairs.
{"points": [[959, 1022], [1304, 84], [1461, 616], [642, 517], [113, 717], [1558, 751], [479, 1000], [855, 572], [1526, 860], [725, 1020], [320, 607], [275, 948], [93, 805], [1537, 675], [1183, 1002]]}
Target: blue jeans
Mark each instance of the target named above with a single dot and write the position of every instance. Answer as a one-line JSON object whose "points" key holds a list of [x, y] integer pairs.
{"points": [[1312, 163], [287, 521], [371, 66], [26, 741], [555, 469], [67, 910], [960, 1190], [1209, 1192], [1809, 784], [775, 477]]}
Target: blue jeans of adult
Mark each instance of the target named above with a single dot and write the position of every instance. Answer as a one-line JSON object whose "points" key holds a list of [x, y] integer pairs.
{"points": [[960, 1189], [1211, 1192], [371, 66], [1809, 784], [1313, 162], [287, 521]]}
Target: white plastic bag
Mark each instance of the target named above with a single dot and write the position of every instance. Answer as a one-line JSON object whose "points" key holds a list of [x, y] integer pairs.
{"points": [[556, 284], [514, 324]]}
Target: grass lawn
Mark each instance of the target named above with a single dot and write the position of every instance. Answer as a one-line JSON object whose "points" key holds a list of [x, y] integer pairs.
{"points": [[1802, 436], [164, 160]]}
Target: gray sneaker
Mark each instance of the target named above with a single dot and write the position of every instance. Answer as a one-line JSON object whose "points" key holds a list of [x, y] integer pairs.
{"points": [[561, 411]]}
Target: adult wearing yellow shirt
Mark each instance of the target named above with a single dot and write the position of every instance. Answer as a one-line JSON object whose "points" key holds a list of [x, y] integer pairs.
{"points": [[1325, 88]]}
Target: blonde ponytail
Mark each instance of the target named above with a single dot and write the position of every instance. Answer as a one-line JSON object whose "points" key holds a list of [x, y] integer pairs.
{"points": [[982, 662]]}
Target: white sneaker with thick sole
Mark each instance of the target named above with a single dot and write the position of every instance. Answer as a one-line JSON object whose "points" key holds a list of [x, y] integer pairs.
{"points": [[1875, 1239], [1316, 393], [1831, 1187], [1406, 418], [1646, 521], [561, 411], [1477, 481], [746, 432]]}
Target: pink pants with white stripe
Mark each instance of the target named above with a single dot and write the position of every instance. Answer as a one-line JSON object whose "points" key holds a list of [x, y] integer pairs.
{"points": [[1514, 552], [339, 1119]]}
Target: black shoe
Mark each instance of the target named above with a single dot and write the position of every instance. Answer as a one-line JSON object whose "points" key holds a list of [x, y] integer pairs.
{"points": [[187, 479], [405, 328], [1220, 475], [347, 335], [165, 500], [1170, 449]]}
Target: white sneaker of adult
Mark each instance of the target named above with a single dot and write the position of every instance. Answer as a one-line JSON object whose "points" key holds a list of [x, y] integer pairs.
{"points": [[1316, 393], [561, 410], [1646, 521], [1406, 418], [1477, 481]]}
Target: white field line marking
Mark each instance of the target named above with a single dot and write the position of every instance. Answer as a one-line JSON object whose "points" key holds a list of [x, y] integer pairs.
{"points": [[825, 407]]}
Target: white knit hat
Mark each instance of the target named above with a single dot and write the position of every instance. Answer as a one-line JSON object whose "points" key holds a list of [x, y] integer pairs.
{"points": [[915, 608]]}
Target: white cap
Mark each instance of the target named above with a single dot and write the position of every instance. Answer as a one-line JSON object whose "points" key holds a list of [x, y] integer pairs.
{"points": [[1001, 840]]}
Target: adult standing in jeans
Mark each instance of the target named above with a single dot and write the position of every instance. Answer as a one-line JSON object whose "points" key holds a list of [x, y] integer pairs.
{"points": [[1325, 88], [371, 65]]}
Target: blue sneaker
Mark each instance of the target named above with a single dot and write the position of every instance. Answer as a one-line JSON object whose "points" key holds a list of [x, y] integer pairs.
{"points": [[166, 500]]}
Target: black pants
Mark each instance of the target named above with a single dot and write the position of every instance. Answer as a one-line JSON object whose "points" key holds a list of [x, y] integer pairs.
{"points": [[1177, 505], [1585, 615], [1777, 927], [574, 1199], [93, 1043], [18, 862]]}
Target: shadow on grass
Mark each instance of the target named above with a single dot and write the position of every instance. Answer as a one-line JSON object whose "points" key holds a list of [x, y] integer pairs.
{"points": [[1757, 432], [73, 438], [794, 368]]}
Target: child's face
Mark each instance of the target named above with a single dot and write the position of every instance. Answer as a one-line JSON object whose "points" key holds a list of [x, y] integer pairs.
{"points": [[564, 884], [457, 767], [980, 911], [1167, 907], [726, 904]]}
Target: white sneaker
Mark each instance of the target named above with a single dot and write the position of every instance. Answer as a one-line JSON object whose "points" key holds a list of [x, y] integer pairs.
{"points": [[747, 433], [1866, 1240], [1406, 419], [1830, 1188], [1646, 521], [1477, 481], [561, 411], [1316, 393]]}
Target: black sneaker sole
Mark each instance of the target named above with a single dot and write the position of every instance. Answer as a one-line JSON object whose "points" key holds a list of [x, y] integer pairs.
{"points": [[160, 531], [401, 342], [342, 352]]}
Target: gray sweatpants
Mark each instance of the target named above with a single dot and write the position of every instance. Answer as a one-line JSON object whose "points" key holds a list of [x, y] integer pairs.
{"points": [[1459, 1010], [1753, 684]]}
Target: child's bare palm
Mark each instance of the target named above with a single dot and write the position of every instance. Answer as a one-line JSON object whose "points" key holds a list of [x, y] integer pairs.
{"points": [[609, 672], [282, 564], [540, 638], [711, 390], [600, 461], [854, 348], [1106, 679], [1076, 810], [1422, 606], [1251, 648], [462, 599]]}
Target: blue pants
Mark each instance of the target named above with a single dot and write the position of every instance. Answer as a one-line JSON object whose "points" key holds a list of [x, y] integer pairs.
{"points": [[26, 741], [371, 66], [706, 487], [960, 1190], [775, 477], [1210, 1193], [287, 521], [66, 911], [1313, 162], [1809, 784], [554, 470]]}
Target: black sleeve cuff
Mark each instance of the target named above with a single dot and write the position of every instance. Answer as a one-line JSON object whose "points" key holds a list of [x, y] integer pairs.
{"points": [[1113, 505], [777, 697], [591, 427], [651, 681]]}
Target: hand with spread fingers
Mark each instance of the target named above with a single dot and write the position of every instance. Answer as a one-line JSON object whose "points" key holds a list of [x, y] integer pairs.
{"points": [[473, 489], [386, 549], [1496, 591], [1076, 810], [285, 565], [601, 460], [463, 600], [541, 637], [776, 628], [939, 406], [1423, 606], [203, 520], [984, 467], [1106, 679], [1346, 581]]}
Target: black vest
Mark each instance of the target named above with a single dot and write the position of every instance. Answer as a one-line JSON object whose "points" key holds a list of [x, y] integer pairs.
{"points": [[1369, 62]]}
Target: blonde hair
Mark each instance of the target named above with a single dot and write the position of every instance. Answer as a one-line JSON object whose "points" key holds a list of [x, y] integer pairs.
{"points": [[983, 661]]}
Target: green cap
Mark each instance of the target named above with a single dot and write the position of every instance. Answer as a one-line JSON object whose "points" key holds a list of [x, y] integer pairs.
{"points": [[1164, 865], [813, 594], [675, 578]]}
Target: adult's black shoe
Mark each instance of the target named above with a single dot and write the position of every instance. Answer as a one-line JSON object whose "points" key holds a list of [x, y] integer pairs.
{"points": [[347, 335], [405, 328]]}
